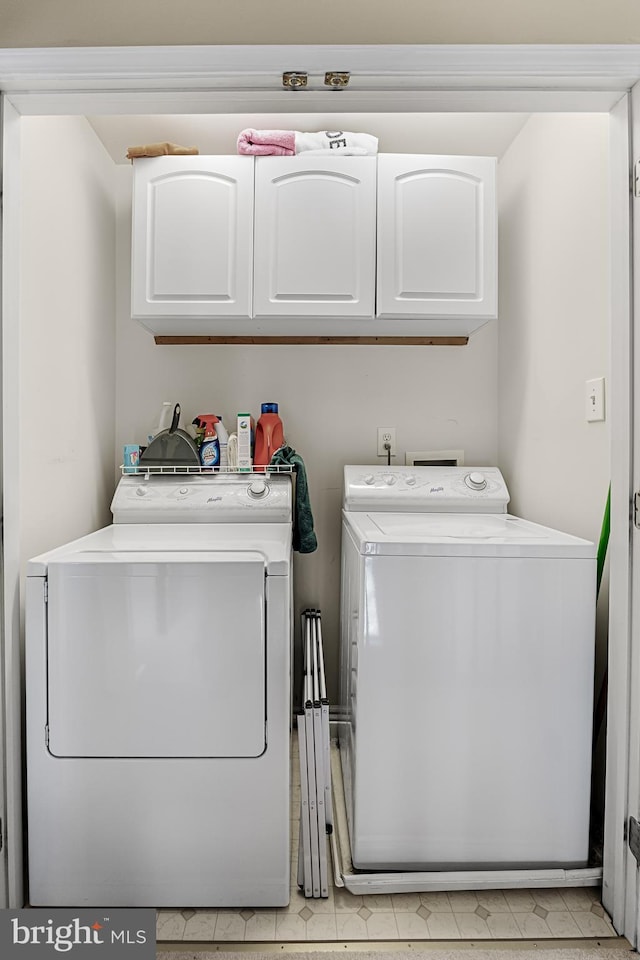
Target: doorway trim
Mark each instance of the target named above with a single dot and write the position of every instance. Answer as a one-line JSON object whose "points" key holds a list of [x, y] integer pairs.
{"points": [[395, 77], [374, 67]]}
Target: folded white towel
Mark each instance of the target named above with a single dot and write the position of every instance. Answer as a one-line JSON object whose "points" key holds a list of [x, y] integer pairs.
{"points": [[342, 142], [347, 152]]}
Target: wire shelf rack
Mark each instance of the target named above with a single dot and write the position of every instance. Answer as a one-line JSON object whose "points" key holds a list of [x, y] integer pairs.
{"points": [[145, 470]]}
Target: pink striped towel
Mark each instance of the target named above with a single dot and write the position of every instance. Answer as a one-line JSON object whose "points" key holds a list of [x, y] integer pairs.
{"points": [[267, 143]]}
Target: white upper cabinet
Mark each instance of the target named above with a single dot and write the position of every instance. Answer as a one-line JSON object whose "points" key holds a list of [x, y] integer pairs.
{"points": [[437, 237], [192, 238], [315, 237], [235, 246]]}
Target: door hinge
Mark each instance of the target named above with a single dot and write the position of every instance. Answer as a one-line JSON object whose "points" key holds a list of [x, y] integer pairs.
{"points": [[636, 179], [1, 834], [46, 736], [633, 836], [294, 79], [46, 591], [636, 509]]}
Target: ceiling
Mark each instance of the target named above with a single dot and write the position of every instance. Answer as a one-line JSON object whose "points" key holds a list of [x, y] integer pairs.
{"points": [[479, 134]]}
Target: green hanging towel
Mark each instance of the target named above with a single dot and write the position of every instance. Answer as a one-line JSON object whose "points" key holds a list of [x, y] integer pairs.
{"points": [[304, 538]]}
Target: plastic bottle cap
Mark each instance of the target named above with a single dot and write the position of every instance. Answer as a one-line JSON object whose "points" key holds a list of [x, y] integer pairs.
{"points": [[269, 408]]}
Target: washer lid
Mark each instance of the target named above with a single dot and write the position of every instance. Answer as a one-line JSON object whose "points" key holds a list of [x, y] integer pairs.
{"points": [[454, 534]]}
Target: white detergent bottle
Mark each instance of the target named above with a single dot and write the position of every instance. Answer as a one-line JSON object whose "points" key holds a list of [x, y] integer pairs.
{"points": [[223, 439], [164, 419]]}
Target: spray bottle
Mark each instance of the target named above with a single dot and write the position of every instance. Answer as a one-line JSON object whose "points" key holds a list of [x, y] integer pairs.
{"points": [[210, 445], [223, 440]]}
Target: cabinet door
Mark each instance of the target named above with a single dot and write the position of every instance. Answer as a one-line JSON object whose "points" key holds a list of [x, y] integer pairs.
{"points": [[192, 237], [437, 236], [315, 237]]}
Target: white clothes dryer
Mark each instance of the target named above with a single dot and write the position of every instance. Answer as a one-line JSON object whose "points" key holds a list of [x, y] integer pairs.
{"points": [[158, 700], [467, 656]]}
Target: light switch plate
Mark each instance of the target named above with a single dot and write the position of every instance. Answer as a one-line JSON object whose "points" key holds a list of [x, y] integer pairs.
{"points": [[595, 399]]}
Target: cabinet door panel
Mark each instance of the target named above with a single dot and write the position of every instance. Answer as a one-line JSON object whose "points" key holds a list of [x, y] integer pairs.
{"points": [[192, 236], [436, 236], [315, 237]]}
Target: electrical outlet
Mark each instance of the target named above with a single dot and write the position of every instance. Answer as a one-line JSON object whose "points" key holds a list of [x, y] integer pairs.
{"points": [[386, 435]]}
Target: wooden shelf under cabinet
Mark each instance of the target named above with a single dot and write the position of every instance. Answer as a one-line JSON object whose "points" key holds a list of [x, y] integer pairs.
{"points": [[382, 341]]}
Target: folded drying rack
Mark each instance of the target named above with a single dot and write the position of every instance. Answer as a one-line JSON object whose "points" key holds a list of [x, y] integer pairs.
{"points": [[316, 811]]}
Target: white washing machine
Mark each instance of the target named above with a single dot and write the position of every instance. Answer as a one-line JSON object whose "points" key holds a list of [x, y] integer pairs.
{"points": [[467, 655], [158, 700]]}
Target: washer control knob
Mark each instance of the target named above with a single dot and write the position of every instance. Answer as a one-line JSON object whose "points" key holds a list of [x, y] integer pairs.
{"points": [[141, 491], [411, 481], [389, 480], [369, 479], [476, 481], [183, 490], [258, 489]]}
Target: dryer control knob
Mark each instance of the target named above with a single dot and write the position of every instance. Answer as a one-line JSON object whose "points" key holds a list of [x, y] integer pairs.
{"points": [[258, 489], [141, 491], [183, 490], [476, 481], [411, 481], [369, 479], [389, 480]]}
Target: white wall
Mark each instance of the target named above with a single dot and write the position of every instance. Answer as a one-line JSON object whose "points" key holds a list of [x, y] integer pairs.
{"points": [[120, 22], [554, 318], [331, 399], [67, 333], [460, 133], [554, 331]]}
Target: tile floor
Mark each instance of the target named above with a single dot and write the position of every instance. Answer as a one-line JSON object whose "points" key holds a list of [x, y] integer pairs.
{"points": [[572, 912], [492, 914]]}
